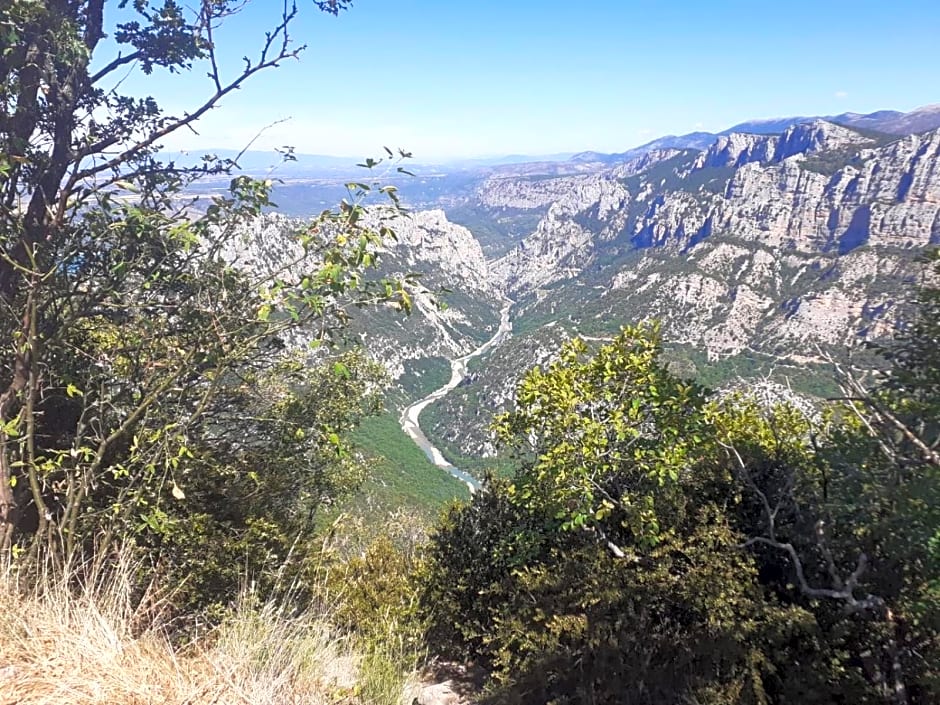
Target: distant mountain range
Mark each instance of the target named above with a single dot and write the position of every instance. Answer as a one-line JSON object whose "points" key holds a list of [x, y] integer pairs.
{"points": [[890, 122], [324, 166]]}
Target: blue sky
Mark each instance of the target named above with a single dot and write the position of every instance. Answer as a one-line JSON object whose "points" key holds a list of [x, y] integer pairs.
{"points": [[447, 78]]}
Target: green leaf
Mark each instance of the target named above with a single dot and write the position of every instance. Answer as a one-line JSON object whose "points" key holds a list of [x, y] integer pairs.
{"points": [[12, 427], [370, 163]]}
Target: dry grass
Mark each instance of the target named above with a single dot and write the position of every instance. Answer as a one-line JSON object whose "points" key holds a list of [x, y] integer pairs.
{"points": [[94, 645]]}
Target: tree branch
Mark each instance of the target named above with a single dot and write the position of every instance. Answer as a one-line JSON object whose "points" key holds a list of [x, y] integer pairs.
{"points": [[116, 63], [277, 37]]}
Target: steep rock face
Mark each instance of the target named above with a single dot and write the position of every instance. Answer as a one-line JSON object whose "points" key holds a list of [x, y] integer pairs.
{"points": [[817, 136], [738, 149], [444, 254], [889, 122], [511, 192], [644, 162], [564, 242], [586, 212], [778, 254], [267, 246], [429, 242], [765, 252]]}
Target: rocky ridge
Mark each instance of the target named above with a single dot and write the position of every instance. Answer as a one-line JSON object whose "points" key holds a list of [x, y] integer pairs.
{"points": [[891, 122], [444, 254], [777, 248]]}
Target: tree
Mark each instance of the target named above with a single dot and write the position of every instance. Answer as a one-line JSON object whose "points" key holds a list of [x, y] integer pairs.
{"points": [[606, 569], [137, 344], [852, 506], [603, 436], [764, 556]]}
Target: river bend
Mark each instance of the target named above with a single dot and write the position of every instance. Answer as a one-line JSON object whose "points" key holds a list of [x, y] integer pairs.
{"points": [[458, 371]]}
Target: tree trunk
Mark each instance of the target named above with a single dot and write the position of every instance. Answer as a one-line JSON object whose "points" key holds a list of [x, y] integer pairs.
{"points": [[8, 401]]}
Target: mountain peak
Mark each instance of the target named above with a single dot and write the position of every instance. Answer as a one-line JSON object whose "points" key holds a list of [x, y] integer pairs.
{"points": [[817, 136]]}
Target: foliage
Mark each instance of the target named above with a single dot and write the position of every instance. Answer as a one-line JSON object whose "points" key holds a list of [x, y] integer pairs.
{"points": [[898, 429], [369, 584], [156, 389], [423, 376], [832, 162], [557, 620], [376, 596], [255, 500], [604, 432], [658, 544]]}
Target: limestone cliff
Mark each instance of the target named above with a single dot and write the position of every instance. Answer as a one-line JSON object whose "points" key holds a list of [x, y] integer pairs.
{"points": [[760, 252], [444, 255], [760, 241]]}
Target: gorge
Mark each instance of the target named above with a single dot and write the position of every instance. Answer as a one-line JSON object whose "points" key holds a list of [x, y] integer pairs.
{"points": [[762, 254], [640, 423]]}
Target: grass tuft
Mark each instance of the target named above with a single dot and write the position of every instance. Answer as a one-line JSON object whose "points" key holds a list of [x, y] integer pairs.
{"points": [[68, 637]]}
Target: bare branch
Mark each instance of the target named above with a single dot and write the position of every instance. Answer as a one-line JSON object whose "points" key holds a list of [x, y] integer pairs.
{"points": [[255, 139], [277, 40], [856, 390], [214, 73], [114, 64], [842, 590], [746, 476]]}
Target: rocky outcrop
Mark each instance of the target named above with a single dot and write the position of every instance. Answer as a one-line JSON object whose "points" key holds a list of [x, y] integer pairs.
{"points": [[772, 250], [777, 254], [444, 255], [447, 257], [428, 242], [737, 149], [526, 194], [588, 212]]}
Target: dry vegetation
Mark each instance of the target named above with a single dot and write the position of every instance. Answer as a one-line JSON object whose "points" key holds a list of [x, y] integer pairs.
{"points": [[89, 641]]}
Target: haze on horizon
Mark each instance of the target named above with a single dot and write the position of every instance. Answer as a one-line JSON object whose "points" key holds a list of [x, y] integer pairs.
{"points": [[473, 79]]}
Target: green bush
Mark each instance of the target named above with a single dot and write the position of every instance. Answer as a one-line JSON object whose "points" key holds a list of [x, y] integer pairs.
{"points": [[372, 596], [658, 545], [556, 619]]}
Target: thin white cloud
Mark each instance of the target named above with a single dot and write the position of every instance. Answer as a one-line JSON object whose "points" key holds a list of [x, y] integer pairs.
{"points": [[841, 94]]}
